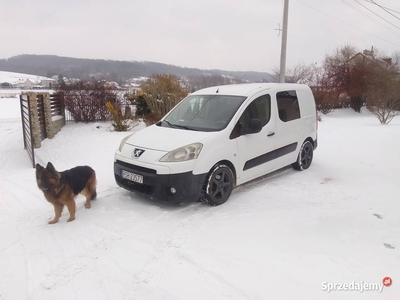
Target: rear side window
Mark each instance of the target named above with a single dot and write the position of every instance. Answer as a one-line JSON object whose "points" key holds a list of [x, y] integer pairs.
{"points": [[288, 106]]}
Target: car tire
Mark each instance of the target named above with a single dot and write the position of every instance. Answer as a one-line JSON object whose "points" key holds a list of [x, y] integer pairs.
{"points": [[218, 185], [305, 157]]}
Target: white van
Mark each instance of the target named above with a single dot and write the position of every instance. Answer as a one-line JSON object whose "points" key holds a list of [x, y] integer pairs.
{"points": [[218, 138]]}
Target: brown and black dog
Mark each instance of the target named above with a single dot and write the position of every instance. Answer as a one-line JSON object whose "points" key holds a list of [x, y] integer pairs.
{"points": [[60, 188]]}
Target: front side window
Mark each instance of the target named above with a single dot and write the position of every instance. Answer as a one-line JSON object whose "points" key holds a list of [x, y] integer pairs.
{"points": [[260, 109], [288, 106], [203, 112]]}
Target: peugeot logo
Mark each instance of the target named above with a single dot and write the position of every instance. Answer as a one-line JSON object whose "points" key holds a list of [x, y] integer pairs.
{"points": [[137, 152]]}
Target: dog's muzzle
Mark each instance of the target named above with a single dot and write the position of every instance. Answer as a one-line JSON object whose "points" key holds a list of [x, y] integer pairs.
{"points": [[44, 187]]}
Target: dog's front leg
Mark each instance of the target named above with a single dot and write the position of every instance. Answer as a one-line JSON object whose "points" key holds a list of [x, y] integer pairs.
{"points": [[57, 210], [71, 208]]}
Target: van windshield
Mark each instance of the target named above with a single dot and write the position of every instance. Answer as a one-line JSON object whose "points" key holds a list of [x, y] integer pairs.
{"points": [[203, 112]]}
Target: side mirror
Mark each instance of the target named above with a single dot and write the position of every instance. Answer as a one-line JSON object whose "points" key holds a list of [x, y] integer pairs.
{"points": [[254, 126]]}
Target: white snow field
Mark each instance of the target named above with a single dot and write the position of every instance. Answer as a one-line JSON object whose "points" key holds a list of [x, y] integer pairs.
{"points": [[291, 235]]}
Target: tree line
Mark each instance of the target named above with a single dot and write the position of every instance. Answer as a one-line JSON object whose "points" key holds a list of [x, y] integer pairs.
{"points": [[350, 78], [346, 78], [112, 70]]}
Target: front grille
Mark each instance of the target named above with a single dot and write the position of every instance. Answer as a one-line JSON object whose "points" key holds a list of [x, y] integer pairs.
{"points": [[143, 188], [137, 168]]}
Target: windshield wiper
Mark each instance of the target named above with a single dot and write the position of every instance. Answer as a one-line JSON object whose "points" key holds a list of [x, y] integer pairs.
{"points": [[178, 126]]}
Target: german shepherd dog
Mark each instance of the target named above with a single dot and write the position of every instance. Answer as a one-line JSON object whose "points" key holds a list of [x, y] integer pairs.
{"points": [[60, 188]]}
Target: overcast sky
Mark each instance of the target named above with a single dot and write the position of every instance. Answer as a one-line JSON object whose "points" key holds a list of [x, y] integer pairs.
{"points": [[236, 35]]}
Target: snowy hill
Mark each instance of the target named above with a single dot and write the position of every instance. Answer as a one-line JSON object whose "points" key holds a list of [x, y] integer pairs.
{"points": [[13, 81], [15, 78]]}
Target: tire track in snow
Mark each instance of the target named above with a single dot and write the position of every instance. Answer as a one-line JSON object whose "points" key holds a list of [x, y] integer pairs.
{"points": [[21, 219], [67, 272], [218, 279], [165, 250], [27, 281], [63, 273], [11, 141], [262, 181]]}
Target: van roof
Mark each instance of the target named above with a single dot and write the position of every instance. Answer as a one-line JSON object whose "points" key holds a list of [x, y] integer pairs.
{"points": [[246, 89]]}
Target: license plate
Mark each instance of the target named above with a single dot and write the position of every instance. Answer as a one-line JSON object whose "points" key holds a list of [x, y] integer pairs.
{"points": [[132, 176]]}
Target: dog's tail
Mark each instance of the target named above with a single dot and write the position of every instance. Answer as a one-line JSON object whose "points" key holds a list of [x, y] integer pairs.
{"points": [[92, 183]]}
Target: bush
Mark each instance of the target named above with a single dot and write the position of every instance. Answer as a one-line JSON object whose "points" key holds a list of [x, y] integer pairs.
{"points": [[87, 102], [161, 93], [141, 107], [151, 119], [383, 96], [325, 98], [122, 117]]}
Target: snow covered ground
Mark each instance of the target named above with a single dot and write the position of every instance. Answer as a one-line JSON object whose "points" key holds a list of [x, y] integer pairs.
{"points": [[287, 236]]}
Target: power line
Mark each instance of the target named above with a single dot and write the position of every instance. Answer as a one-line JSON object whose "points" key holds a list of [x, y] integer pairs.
{"points": [[347, 23], [371, 18], [376, 14], [384, 8], [371, 1]]}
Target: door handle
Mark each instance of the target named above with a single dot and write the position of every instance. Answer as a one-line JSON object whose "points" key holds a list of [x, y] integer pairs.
{"points": [[271, 134]]}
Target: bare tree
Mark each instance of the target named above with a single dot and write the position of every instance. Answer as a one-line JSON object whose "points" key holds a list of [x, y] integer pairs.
{"points": [[349, 74], [326, 93], [351, 78], [300, 73]]}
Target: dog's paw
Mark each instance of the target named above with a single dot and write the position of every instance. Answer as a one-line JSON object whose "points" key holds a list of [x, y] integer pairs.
{"points": [[54, 221], [70, 219], [87, 205]]}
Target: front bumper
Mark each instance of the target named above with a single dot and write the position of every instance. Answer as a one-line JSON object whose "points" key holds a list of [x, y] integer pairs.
{"points": [[157, 186]]}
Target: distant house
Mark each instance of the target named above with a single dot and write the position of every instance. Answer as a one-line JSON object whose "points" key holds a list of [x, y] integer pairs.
{"points": [[112, 85], [368, 56], [70, 80], [48, 83], [25, 84], [6, 85], [25, 81]]}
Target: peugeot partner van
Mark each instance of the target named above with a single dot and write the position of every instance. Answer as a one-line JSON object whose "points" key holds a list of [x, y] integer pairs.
{"points": [[218, 138]]}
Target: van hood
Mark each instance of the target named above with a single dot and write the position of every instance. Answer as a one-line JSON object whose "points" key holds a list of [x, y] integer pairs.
{"points": [[166, 139]]}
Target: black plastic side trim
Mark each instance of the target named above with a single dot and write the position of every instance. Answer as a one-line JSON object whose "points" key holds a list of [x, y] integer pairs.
{"points": [[259, 160]]}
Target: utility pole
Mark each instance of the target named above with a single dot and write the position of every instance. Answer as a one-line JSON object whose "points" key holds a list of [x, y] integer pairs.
{"points": [[279, 29], [282, 72]]}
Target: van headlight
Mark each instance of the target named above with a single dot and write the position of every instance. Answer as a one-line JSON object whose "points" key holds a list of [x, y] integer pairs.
{"points": [[185, 153], [124, 141]]}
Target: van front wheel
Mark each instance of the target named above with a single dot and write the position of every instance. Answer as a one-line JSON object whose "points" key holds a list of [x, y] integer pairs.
{"points": [[305, 157], [218, 185]]}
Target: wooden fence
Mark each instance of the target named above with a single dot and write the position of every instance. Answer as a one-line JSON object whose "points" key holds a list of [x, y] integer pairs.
{"points": [[42, 117]]}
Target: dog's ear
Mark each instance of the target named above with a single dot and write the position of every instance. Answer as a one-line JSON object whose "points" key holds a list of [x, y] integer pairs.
{"points": [[39, 167], [50, 167]]}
